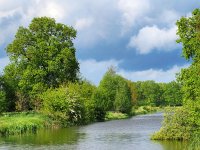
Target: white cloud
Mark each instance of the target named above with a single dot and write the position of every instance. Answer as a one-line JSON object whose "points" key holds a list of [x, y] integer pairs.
{"points": [[169, 16], [83, 23], [3, 62], [51, 8], [94, 70], [133, 10], [154, 38], [152, 74]]}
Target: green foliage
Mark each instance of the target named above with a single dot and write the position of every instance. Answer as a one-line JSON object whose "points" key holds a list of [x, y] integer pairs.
{"points": [[122, 101], [42, 56], [109, 85], [176, 125], [113, 93], [63, 105], [189, 36], [149, 93], [184, 123], [3, 102], [172, 94], [143, 110], [115, 115], [85, 90], [99, 98], [133, 90], [21, 123]]}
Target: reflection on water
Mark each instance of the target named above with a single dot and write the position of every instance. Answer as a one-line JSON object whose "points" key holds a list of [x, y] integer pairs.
{"points": [[46, 137], [174, 145], [133, 133]]}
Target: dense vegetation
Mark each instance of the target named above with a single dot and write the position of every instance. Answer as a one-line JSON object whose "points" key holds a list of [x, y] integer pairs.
{"points": [[43, 77], [184, 123]]}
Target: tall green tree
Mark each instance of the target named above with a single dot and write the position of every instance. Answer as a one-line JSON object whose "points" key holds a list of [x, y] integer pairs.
{"points": [[185, 122], [149, 93], [109, 85], [42, 56], [122, 101], [172, 94], [189, 36]]}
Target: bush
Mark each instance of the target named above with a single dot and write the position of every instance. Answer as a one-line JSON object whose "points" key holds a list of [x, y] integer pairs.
{"points": [[176, 125], [85, 90], [63, 105]]}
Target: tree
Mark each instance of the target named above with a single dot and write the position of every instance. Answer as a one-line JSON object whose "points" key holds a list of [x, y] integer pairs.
{"points": [[41, 56], [189, 36], [149, 93], [109, 84], [172, 94], [122, 101], [3, 102], [133, 90], [184, 123]]}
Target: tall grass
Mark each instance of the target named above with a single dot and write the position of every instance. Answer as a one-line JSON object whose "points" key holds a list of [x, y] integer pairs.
{"points": [[144, 110], [115, 115], [20, 123]]}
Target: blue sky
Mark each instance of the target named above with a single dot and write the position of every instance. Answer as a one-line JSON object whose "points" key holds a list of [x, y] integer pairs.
{"points": [[136, 36]]}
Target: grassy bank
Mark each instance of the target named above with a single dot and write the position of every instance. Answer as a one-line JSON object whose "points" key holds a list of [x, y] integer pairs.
{"points": [[20, 123], [115, 115], [141, 110], [30, 122], [144, 110]]}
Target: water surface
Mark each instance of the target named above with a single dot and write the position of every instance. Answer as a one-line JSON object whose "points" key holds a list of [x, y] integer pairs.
{"points": [[128, 134]]}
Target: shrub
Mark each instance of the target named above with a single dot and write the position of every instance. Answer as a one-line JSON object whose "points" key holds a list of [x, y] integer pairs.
{"points": [[176, 125], [63, 105]]}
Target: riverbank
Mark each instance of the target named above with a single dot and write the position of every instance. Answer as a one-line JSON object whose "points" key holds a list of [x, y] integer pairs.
{"points": [[29, 122], [21, 123], [141, 110], [122, 134]]}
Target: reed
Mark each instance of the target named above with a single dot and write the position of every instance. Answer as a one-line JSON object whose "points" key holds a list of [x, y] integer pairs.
{"points": [[20, 123]]}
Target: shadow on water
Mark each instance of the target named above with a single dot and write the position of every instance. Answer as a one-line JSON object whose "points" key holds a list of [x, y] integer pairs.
{"points": [[46, 137], [173, 145]]}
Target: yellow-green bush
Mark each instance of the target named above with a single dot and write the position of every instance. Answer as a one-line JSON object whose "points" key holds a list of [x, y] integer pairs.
{"points": [[176, 125]]}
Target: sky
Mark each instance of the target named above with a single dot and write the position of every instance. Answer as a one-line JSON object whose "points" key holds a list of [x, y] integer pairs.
{"points": [[137, 37]]}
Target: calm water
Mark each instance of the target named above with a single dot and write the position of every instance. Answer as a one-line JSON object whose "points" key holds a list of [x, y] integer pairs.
{"points": [[129, 134]]}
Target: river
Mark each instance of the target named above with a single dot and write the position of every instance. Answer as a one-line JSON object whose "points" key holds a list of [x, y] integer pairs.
{"points": [[128, 134]]}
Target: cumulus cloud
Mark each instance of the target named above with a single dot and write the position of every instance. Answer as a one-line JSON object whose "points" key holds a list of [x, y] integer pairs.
{"points": [[133, 10], [153, 74], [169, 17], [83, 23], [154, 38], [94, 70]]}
